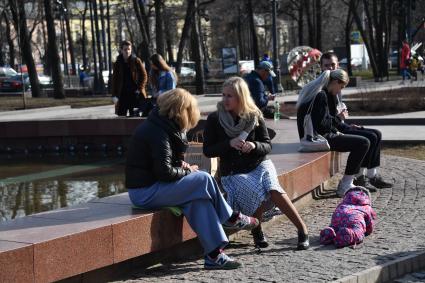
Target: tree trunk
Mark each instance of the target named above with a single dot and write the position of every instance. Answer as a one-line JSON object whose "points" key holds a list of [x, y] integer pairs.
{"points": [[168, 38], [2, 61], [102, 23], [101, 86], [143, 24], [256, 53], [190, 11], [9, 41], [239, 31], [93, 40], [348, 24], [70, 40], [108, 18], [197, 56], [310, 26], [160, 49], [84, 35], [25, 43], [53, 52], [127, 24], [300, 22], [318, 24]]}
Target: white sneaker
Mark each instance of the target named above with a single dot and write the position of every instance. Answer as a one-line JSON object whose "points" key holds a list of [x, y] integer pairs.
{"points": [[341, 190]]}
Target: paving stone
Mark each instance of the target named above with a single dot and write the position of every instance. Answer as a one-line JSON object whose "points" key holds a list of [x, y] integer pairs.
{"points": [[398, 233]]}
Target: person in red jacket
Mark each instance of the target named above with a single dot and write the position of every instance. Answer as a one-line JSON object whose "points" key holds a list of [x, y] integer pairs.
{"points": [[404, 60]]}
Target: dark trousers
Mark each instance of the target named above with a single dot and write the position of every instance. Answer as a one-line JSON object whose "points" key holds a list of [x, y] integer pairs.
{"points": [[358, 147], [373, 155], [128, 101]]}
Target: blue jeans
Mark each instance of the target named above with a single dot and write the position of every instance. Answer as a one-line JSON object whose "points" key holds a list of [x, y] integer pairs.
{"points": [[405, 73], [198, 195]]}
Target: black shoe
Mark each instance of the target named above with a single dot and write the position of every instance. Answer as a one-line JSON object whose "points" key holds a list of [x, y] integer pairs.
{"points": [[363, 181], [303, 242], [260, 240], [378, 182]]}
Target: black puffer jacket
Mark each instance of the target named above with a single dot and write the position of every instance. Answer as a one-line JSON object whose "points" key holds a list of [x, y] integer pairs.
{"points": [[323, 115], [232, 161], [155, 153]]}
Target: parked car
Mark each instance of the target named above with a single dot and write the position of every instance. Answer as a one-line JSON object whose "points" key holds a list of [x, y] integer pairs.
{"points": [[393, 59], [13, 84], [45, 81], [7, 72], [187, 72], [355, 63], [246, 66]]}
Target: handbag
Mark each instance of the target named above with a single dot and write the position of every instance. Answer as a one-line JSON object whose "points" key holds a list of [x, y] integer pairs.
{"points": [[312, 141]]}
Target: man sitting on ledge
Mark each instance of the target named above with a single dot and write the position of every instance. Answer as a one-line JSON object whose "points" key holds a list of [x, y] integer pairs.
{"points": [[256, 81]]}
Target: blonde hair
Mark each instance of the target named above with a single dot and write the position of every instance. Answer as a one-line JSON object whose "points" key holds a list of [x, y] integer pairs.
{"points": [[179, 105], [310, 90], [247, 105]]}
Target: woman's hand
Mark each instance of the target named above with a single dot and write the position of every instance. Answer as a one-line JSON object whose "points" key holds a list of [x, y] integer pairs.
{"points": [[193, 168], [356, 127], [247, 147], [343, 114], [185, 165], [237, 143]]}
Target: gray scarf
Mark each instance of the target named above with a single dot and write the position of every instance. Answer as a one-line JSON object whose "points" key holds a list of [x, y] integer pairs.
{"points": [[228, 124]]}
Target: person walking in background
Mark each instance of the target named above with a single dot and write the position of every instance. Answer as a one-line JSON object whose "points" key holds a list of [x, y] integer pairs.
{"points": [[237, 134], [256, 81], [129, 79], [368, 174], [157, 176], [161, 77], [404, 60]]}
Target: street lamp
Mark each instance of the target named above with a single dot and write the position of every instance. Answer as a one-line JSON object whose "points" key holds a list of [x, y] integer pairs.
{"points": [[277, 80]]}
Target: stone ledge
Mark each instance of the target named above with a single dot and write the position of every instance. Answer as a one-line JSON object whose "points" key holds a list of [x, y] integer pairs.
{"points": [[63, 243]]}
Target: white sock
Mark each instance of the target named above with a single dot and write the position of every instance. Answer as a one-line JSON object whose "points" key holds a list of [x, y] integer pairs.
{"points": [[347, 181], [372, 172], [362, 172]]}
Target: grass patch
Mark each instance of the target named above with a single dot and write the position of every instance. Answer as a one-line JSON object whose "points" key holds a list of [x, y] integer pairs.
{"points": [[14, 103], [409, 151]]}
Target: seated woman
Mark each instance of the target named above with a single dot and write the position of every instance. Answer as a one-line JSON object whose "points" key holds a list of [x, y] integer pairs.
{"points": [[237, 134], [157, 176], [322, 92]]}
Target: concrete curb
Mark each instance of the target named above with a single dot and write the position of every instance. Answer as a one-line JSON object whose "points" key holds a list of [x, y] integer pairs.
{"points": [[388, 271]]}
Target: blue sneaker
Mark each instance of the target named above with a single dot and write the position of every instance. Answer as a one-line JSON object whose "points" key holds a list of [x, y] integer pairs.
{"points": [[242, 223], [222, 261]]}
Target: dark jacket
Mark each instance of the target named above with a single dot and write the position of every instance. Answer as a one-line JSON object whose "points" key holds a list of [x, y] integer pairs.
{"points": [[155, 153], [138, 75], [257, 89], [323, 115], [232, 161]]}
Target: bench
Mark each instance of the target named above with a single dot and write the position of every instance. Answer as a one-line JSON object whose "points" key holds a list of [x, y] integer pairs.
{"points": [[59, 244]]}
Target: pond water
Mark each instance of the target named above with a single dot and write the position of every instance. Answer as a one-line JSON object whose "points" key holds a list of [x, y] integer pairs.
{"points": [[34, 183]]}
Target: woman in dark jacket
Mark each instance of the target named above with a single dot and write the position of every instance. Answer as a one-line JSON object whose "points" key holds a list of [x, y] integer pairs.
{"points": [[237, 134], [322, 92], [157, 176]]}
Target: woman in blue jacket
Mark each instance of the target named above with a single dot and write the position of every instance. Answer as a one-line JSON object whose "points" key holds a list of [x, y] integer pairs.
{"points": [[162, 77]]}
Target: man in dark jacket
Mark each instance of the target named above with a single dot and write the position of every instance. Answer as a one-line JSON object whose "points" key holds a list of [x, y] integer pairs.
{"points": [[129, 80], [256, 82]]}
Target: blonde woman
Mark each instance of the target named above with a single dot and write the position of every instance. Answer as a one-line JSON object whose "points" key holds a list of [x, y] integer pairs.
{"points": [[328, 122], [237, 134], [157, 176]]}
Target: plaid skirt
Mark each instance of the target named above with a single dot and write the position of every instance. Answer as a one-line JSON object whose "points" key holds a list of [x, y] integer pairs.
{"points": [[246, 192]]}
